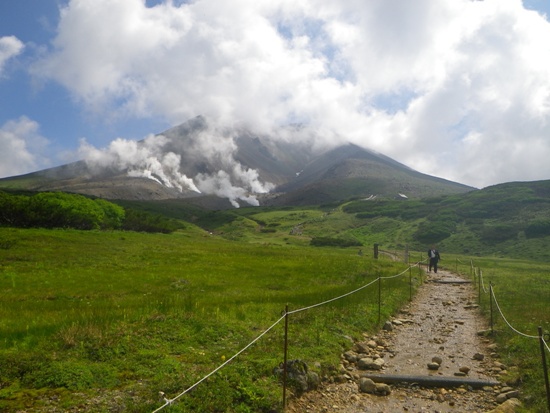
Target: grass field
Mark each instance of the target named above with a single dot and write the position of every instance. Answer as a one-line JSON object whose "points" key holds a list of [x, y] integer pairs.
{"points": [[110, 319], [87, 316]]}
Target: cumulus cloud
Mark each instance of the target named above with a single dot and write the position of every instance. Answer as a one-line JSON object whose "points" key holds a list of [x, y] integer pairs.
{"points": [[10, 46], [453, 88], [21, 143]]}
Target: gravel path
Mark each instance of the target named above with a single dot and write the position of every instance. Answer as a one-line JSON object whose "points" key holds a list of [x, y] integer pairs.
{"points": [[439, 326]]}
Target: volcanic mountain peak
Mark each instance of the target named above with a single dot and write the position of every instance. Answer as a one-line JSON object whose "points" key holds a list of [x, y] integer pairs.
{"points": [[195, 159]]}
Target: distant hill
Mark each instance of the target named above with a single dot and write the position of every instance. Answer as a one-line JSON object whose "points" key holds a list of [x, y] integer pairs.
{"points": [[506, 220], [193, 161]]}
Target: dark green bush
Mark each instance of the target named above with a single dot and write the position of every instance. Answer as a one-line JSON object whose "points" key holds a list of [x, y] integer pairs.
{"points": [[433, 232], [334, 242], [538, 229], [13, 210], [142, 221], [62, 210], [59, 210], [498, 233]]}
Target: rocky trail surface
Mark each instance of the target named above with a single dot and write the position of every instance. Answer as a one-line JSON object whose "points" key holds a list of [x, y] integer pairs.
{"points": [[430, 358]]}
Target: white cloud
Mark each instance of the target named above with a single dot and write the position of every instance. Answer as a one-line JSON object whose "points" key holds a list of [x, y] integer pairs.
{"points": [[21, 143], [446, 86], [10, 46]]}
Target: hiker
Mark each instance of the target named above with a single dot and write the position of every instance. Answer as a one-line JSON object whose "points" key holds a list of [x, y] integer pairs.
{"points": [[433, 255]]}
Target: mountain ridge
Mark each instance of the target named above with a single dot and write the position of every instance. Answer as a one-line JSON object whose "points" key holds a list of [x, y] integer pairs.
{"points": [[194, 160]]}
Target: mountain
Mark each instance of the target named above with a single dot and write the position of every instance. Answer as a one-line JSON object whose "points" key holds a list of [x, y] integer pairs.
{"points": [[350, 171], [195, 160]]}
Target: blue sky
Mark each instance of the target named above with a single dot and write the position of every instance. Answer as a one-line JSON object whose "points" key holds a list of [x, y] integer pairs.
{"points": [[62, 120], [453, 88]]}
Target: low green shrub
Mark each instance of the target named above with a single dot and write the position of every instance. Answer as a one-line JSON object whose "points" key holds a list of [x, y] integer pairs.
{"points": [[537, 229], [68, 374], [334, 242]]}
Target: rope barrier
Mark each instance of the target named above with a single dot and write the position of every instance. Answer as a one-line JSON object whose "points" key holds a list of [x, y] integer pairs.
{"points": [[482, 283], [541, 337], [502, 314], [397, 275], [169, 402], [506, 321], [351, 292], [333, 299]]}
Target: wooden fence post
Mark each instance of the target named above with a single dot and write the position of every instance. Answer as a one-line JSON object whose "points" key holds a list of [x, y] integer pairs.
{"points": [[410, 284], [491, 306], [285, 358], [479, 286], [379, 299], [545, 369]]}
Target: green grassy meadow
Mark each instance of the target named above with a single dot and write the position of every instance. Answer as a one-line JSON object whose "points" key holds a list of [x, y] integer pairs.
{"points": [[105, 320], [89, 315]]}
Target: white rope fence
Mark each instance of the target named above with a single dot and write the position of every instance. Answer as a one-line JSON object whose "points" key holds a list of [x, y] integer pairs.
{"points": [[333, 299], [169, 402], [541, 337], [398, 275], [482, 283], [502, 314], [507, 323], [351, 292]]}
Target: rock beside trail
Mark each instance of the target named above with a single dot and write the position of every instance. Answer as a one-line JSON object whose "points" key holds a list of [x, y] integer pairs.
{"points": [[367, 385], [435, 364], [509, 406], [299, 375]]}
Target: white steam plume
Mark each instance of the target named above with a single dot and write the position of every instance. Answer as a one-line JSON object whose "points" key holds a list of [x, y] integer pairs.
{"points": [[145, 160], [153, 159], [220, 184]]}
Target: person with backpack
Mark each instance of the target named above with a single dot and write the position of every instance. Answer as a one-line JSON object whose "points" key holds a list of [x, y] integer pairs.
{"points": [[434, 257]]}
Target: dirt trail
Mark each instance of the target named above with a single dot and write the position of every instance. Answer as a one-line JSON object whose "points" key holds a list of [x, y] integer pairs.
{"points": [[442, 321]]}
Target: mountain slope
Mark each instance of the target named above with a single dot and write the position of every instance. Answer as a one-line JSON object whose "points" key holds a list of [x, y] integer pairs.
{"points": [[196, 160], [350, 172]]}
